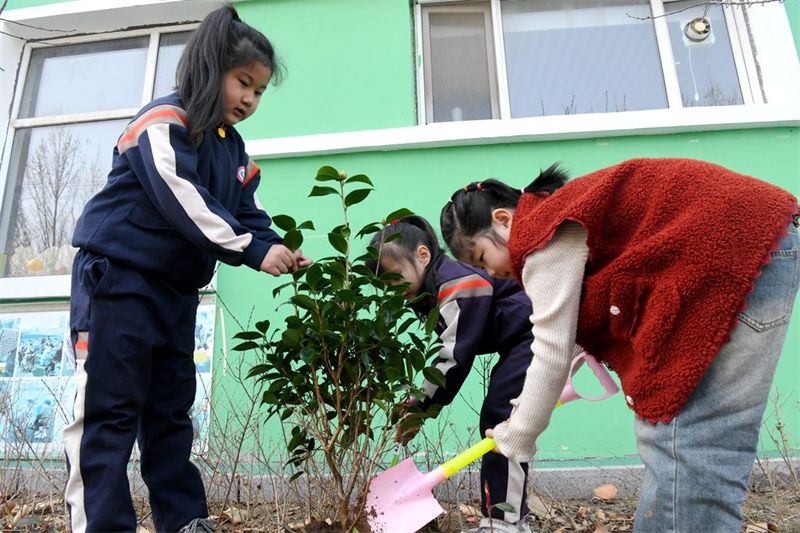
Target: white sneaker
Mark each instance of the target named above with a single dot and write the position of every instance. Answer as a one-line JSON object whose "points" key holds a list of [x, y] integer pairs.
{"points": [[500, 526]]}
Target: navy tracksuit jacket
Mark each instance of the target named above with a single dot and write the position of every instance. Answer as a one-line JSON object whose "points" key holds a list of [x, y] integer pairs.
{"points": [[482, 315], [148, 240]]}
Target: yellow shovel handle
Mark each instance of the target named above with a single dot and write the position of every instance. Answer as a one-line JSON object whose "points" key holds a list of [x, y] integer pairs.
{"points": [[466, 457]]}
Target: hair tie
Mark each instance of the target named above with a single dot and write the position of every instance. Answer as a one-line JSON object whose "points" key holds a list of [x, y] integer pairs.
{"points": [[395, 222]]}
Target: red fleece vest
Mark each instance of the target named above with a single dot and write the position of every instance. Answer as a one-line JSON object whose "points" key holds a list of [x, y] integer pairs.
{"points": [[674, 248]]}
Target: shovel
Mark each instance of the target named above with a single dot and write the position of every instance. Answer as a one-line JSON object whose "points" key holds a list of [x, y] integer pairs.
{"points": [[401, 499]]}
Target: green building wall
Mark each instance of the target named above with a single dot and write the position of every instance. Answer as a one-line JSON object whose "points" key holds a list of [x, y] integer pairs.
{"points": [[350, 66]]}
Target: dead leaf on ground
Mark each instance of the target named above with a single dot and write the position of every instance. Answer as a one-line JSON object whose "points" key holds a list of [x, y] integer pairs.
{"points": [[601, 529], [235, 515], [538, 507], [761, 527], [469, 510], [606, 492]]}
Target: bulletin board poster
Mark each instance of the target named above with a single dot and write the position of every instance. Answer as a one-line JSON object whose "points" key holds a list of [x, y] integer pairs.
{"points": [[38, 385]]}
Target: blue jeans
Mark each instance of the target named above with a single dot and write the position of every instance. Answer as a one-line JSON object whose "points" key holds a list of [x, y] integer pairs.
{"points": [[697, 466]]}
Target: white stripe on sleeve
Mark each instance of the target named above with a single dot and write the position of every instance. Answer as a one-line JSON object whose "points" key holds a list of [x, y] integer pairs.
{"points": [[213, 226]]}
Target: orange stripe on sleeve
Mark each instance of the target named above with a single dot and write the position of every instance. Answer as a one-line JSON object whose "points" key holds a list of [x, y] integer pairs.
{"points": [[471, 284], [135, 129], [82, 345]]}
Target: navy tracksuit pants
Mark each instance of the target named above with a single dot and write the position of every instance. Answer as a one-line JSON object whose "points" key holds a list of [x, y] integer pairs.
{"points": [[133, 338], [507, 480]]}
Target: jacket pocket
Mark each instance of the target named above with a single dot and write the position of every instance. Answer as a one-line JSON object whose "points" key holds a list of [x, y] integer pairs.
{"points": [[147, 217], [643, 312]]}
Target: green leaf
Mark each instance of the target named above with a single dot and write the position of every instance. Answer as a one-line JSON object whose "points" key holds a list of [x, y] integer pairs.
{"points": [[396, 215], [306, 225], [262, 326], [346, 295], [296, 475], [338, 242], [505, 507], [432, 321], [434, 375], [293, 239], [314, 275], [243, 347], [248, 335], [369, 229], [277, 290], [322, 191], [356, 196], [327, 173], [284, 222], [304, 302], [291, 337], [269, 398], [359, 178]]}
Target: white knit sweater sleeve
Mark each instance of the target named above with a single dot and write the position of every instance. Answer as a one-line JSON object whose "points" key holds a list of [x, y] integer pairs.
{"points": [[552, 278]]}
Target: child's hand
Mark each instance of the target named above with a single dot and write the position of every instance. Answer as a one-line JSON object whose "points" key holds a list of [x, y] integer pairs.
{"points": [[490, 433], [279, 260], [301, 260], [407, 428]]}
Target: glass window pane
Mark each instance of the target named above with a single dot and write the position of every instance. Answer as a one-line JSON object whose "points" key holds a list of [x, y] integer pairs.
{"points": [[54, 170], [85, 77], [581, 56], [706, 71], [170, 48], [459, 67]]}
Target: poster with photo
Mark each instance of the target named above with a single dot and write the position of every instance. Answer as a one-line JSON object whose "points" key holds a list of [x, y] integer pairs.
{"points": [[204, 338], [32, 418], [37, 385], [201, 413], [41, 344], [9, 338]]}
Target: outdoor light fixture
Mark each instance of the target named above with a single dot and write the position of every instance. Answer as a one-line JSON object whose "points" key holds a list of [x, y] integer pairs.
{"points": [[697, 29]]}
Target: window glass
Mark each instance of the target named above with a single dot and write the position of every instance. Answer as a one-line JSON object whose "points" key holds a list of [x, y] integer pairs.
{"points": [[170, 49], [704, 61], [54, 171], [85, 77], [459, 67], [581, 56]]}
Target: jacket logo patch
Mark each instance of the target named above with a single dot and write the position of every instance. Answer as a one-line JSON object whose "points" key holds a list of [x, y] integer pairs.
{"points": [[241, 174]]}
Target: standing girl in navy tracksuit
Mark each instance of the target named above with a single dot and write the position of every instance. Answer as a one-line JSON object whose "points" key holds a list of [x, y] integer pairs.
{"points": [[478, 315], [179, 197]]}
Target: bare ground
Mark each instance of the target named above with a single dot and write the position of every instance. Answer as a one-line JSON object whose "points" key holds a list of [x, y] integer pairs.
{"points": [[766, 510]]}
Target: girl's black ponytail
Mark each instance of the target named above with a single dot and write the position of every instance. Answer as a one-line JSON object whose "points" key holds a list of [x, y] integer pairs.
{"points": [[548, 181], [220, 43], [468, 214]]}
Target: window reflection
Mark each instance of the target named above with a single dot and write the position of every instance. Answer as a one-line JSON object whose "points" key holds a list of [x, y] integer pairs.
{"points": [[57, 169], [85, 77]]}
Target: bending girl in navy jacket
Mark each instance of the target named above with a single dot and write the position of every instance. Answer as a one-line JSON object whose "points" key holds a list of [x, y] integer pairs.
{"points": [[180, 196], [478, 315]]}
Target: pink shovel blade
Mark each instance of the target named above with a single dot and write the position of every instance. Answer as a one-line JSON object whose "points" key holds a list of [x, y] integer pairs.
{"points": [[400, 499]]}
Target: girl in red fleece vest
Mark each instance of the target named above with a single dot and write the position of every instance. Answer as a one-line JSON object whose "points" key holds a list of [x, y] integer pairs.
{"points": [[680, 275]]}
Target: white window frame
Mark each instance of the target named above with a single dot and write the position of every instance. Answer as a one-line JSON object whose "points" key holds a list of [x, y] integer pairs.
{"points": [[58, 286], [491, 55], [744, 61]]}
